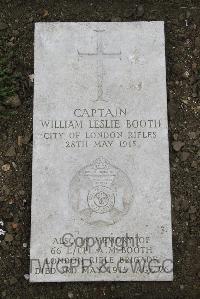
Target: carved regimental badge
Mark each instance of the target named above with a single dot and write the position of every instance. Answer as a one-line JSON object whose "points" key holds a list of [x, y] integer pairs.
{"points": [[101, 193]]}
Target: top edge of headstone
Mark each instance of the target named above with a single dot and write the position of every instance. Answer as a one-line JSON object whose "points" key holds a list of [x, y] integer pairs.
{"points": [[105, 23]]}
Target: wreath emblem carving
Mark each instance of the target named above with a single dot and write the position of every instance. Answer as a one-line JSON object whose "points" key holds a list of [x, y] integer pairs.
{"points": [[101, 193]]}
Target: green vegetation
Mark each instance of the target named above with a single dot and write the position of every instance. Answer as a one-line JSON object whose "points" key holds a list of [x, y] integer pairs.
{"points": [[6, 81]]}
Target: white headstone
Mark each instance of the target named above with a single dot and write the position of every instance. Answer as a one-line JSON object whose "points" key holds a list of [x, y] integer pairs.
{"points": [[101, 207]]}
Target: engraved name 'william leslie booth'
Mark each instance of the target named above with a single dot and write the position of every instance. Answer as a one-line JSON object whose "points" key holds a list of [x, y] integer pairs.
{"points": [[101, 193]]}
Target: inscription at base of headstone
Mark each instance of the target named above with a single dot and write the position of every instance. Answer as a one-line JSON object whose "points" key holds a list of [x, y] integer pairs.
{"points": [[101, 207]]}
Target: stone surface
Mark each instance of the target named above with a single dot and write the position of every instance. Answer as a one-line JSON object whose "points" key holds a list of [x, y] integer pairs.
{"points": [[100, 189], [184, 156], [13, 101], [11, 152], [177, 145], [8, 238], [6, 167]]}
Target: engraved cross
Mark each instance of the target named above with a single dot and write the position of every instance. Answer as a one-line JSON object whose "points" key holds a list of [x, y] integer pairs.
{"points": [[100, 54]]}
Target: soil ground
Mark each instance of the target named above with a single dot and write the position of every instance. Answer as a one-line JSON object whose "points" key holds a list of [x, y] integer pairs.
{"points": [[182, 26]]}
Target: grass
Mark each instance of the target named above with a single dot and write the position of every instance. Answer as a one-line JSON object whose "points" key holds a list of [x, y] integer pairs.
{"points": [[6, 81]]}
